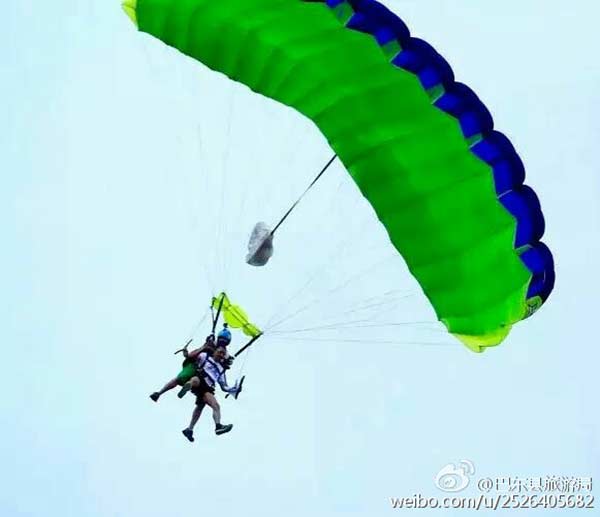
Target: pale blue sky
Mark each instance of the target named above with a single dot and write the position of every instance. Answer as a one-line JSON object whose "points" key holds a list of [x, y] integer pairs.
{"points": [[131, 178]]}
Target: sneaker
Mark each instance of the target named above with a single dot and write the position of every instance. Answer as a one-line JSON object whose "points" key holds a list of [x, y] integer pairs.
{"points": [[222, 429], [155, 396], [189, 434], [186, 387]]}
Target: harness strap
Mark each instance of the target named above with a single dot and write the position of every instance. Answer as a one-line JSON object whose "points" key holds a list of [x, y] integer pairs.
{"points": [[208, 359]]}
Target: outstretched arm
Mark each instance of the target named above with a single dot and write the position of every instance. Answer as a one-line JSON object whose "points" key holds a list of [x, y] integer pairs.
{"points": [[225, 387]]}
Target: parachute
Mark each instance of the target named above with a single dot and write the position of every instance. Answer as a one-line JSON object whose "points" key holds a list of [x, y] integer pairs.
{"points": [[421, 147], [260, 246], [235, 316]]}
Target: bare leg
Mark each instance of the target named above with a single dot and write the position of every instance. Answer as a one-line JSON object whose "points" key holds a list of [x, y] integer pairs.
{"points": [[188, 432], [195, 416], [169, 386], [211, 401]]}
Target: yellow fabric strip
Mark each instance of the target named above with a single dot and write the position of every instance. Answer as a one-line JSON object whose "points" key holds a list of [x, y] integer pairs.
{"points": [[235, 316]]}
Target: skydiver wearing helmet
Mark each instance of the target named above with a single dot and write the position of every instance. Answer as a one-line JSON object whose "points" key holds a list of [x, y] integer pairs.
{"points": [[188, 368], [224, 339], [209, 370]]}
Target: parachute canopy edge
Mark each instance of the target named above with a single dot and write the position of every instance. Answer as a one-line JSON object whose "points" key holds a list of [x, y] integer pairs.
{"points": [[478, 343], [130, 8]]}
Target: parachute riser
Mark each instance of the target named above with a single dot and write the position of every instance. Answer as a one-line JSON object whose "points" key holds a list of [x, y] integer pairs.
{"points": [[216, 317], [327, 165], [247, 345]]}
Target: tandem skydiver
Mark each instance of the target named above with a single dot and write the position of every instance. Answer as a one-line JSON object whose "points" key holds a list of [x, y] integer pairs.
{"points": [[209, 370], [189, 367]]}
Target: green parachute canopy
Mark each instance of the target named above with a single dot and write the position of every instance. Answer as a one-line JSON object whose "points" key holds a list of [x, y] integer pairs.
{"points": [[422, 149]]}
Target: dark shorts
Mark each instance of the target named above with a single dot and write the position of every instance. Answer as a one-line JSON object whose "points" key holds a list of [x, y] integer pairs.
{"points": [[200, 390]]}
